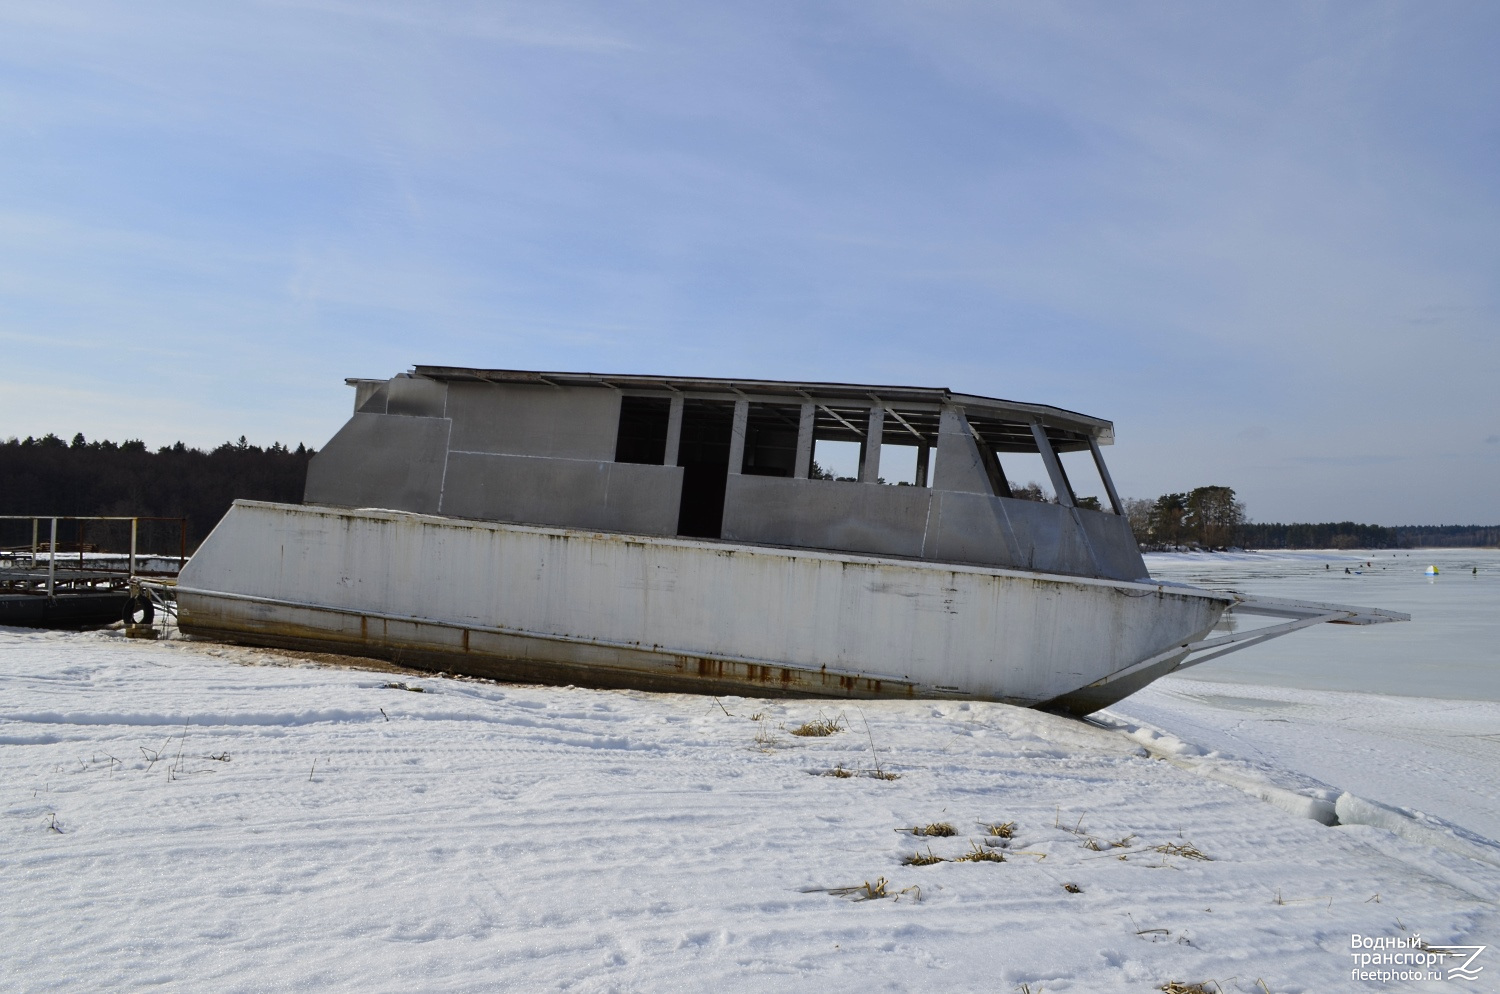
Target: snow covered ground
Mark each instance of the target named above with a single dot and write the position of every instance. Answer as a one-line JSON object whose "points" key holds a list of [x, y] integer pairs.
{"points": [[184, 816]]}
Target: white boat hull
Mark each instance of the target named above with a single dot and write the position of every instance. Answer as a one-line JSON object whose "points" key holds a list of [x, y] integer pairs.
{"points": [[542, 604]]}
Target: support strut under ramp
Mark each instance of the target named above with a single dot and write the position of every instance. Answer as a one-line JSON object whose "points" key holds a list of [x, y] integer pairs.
{"points": [[1297, 615]]}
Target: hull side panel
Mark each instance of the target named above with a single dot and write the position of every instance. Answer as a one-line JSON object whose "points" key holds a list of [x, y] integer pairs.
{"points": [[634, 611]]}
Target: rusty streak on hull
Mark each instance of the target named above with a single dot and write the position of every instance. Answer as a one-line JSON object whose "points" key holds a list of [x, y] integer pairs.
{"points": [[524, 659]]}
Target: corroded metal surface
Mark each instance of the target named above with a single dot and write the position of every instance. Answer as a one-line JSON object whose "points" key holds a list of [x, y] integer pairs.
{"points": [[519, 659]]}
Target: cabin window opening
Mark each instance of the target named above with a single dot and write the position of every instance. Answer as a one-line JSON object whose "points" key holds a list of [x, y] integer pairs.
{"points": [[1078, 466], [643, 430], [1008, 450], [838, 449], [835, 460], [898, 464], [771, 440], [703, 454], [1026, 476], [908, 447]]}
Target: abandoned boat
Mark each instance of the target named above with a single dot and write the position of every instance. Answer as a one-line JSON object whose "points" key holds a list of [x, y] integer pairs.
{"points": [[676, 534]]}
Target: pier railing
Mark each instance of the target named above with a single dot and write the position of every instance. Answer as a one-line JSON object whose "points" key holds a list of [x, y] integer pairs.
{"points": [[22, 569]]}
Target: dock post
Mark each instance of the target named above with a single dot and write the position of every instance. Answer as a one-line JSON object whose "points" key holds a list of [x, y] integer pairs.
{"points": [[133, 523], [52, 561]]}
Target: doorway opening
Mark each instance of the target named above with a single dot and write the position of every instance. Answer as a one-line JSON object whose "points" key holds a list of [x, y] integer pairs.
{"points": [[703, 454]]}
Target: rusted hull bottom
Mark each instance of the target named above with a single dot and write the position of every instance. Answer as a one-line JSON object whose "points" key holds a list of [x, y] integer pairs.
{"points": [[1087, 700], [520, 659]]}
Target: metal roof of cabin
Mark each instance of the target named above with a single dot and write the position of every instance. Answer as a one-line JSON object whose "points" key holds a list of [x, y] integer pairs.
{"points": [[1100, 429]]}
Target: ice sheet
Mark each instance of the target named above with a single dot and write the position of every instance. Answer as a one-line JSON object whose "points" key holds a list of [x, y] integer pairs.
{"points": [[1438, 757], [1450, 648]]}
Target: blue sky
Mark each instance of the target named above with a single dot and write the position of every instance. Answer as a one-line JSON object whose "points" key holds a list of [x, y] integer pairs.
{"points": [[1264, 239]]}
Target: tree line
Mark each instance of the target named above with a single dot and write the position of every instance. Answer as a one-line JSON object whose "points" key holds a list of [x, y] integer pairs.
{"points": [[1349, 535], [1212, 518], [50, 476]]}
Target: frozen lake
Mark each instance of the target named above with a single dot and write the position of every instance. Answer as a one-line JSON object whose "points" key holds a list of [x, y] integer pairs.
{"points": [[1450, 648]]}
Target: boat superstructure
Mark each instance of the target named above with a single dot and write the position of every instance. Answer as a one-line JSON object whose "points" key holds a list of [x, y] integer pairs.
{"points": [[682, 534]]}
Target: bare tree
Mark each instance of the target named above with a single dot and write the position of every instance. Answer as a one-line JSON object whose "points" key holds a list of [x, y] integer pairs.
{"points": [[1138, 513], [1031, 491]]}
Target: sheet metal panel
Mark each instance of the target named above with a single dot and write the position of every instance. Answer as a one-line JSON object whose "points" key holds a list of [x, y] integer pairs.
{"points": [[945, 630], [930, 524], [959, 467], [1045, 537], [627, 497], [369, 395], [972, 528], [1113, 544], [534, 420], [381, 460], [416, 397], [826, 514]]}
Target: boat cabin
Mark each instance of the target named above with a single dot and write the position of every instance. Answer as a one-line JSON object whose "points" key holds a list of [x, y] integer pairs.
{"points": [[904, 472]]}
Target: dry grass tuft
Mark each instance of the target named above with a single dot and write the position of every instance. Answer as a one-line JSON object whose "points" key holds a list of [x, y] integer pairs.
{"points": [[860, 892], [1183, 849], [1104, 845], [1073, 888], [922, 859], [819, 728], [1002, 830], [402, 686], [868, 891], [1177, 987], [979, 854], [843, 774], [938, 830]]}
